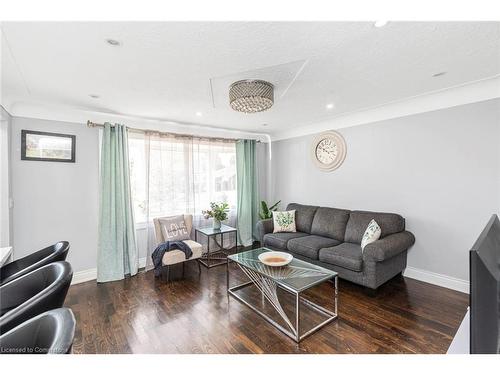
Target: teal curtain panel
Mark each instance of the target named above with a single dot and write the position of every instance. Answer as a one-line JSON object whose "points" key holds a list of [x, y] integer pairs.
{"points": [[117, 248], [248, 200]]}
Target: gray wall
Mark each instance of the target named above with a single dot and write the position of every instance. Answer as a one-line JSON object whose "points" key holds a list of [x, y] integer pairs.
{"points": [[6, 233], [262, 161], [56, 201], [440, 170], [60, 201]]}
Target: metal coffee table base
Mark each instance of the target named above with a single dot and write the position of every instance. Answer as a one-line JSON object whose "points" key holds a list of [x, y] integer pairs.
{"points": [[269, 290]]}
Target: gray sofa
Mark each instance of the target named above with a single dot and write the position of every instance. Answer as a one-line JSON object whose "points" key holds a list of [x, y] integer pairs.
{"points": [[331, 238]]}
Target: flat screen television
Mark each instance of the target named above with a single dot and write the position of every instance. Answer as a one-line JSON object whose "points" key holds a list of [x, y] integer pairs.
{"points": [[485, 290]]}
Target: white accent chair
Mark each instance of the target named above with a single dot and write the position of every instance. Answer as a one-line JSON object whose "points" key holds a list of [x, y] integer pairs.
{"points": [[176, 256]]}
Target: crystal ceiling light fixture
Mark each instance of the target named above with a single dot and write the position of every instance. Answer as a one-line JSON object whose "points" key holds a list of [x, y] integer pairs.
{"points": [[251, 96]]}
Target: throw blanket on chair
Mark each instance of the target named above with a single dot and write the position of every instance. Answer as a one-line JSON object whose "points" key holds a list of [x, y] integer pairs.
{"points": [[162, 248]]}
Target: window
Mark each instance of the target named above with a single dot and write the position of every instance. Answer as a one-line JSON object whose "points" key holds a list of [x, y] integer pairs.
{"points": [[172, 176]]}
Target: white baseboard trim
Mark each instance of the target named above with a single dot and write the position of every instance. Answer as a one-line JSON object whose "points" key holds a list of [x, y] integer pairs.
{"points": [[91, 274], [437, 279], [83, 276]]}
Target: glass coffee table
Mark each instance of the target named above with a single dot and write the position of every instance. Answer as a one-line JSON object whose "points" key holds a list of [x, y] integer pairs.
{"points": [[293, 279]]}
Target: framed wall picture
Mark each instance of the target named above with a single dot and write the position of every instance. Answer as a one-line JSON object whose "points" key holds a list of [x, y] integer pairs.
{"points": [[43, 146]]}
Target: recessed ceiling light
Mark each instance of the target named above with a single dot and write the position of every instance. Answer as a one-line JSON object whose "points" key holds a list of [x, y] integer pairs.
{"points": [[439, 74], [199, 114], [94, 96], [330, 106], [380, 23], [113, 42]]}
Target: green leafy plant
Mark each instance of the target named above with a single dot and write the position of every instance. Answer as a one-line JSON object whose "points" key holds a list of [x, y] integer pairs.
{"points": [[267, 212], [217, 210]]}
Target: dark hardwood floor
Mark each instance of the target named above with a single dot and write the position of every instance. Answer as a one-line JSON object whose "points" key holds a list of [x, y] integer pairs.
{"points": [[193, 315]]}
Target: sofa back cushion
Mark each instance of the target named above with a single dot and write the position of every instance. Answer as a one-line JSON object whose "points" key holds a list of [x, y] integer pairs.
{"points": [[359, 220], [304, 216], [330, 222]]}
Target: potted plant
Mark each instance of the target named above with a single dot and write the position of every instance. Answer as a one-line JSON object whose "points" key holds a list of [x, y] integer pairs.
{"points": [[267, 212], [218, 211]]}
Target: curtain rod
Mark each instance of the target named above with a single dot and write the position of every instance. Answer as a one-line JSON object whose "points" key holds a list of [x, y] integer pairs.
{"points": [[91, 124]]}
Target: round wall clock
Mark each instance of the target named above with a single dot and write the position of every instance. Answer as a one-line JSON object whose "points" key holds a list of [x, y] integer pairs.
{"points": [[328, 150]]}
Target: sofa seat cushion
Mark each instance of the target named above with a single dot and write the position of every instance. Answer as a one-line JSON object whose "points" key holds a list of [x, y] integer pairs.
{"points": [[309, 246], [280, 240], [177, 256], [346, 255]]}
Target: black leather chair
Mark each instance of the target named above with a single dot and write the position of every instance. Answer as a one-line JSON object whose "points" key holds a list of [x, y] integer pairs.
{"points": [[19, 267], [49, 333], [39, 291]]}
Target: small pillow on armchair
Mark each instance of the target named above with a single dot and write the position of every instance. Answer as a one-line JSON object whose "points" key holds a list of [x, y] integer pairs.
{"points": [[284, 221], [174, 228], [372, 234]]}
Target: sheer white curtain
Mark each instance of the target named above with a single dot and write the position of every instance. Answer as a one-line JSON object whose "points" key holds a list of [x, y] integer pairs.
{"points": [[172, 175]]}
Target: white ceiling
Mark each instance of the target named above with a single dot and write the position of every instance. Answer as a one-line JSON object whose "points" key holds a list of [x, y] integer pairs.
{"points": [[170, 71]]}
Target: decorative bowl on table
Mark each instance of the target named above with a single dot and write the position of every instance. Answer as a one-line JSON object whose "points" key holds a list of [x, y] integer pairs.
{"points": [[275, 258]]}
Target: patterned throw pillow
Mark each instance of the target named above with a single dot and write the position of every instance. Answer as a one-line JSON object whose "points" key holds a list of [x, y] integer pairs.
{"points": [[372, 234], [284, 221], [174, 228]]}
